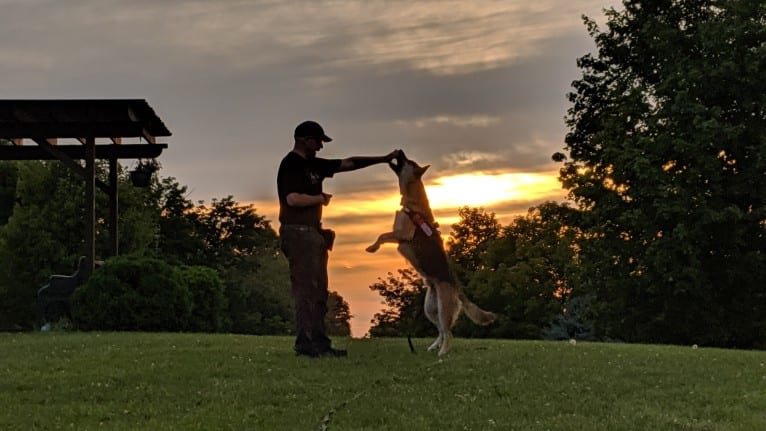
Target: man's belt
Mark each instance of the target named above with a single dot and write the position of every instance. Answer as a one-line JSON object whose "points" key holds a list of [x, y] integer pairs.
{"points": [[327, 234]]}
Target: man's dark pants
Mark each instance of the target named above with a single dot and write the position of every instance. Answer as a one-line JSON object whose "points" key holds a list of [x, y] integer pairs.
{"points": [[306, 253]]}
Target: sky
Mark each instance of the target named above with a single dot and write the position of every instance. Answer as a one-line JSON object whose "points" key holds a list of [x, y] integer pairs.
{"points": [[476, 89]]}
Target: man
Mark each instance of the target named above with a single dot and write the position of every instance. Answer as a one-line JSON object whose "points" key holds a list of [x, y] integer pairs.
{"points": [[302, 239]]}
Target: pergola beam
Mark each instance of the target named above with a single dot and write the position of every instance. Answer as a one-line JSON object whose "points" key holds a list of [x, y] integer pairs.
{"points": [[47, 121], [75, 130], [110, 151]]}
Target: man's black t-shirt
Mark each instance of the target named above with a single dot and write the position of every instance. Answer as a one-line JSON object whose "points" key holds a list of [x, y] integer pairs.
{"points": [[299, 175]]}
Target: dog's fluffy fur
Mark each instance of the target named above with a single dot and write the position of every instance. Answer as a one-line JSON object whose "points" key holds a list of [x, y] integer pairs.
{"points": [[444, 298]]}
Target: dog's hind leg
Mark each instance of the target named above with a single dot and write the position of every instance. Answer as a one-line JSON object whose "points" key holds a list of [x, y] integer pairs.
{"points": [[449, 309], [437, 343], [431, 307]]}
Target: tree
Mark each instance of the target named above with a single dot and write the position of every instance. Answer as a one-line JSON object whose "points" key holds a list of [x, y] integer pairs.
{"points": [[230, 232], [403, 295], [178, 240], [244, 249], [208, 311], [667, 158], [259, 299], [8, 175], [573, 322], [527, 274], [240, 245], [467, 245], [338, 316]]}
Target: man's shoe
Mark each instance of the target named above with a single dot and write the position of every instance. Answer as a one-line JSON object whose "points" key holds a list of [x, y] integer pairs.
{"points": [[328, 352], [333, 353], [311, 353]]}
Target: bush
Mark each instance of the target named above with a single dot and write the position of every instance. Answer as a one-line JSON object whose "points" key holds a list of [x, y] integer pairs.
{"points": [[209, 303], [133, 293], [573, 322]]}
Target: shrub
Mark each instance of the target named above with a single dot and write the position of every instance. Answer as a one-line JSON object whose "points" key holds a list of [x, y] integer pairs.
{"points": [[573, 322], [209, 303], [133, 293]]}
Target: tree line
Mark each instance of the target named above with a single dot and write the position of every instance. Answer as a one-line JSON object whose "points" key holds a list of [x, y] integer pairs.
{"points": [[665, 168], [41, 233]]}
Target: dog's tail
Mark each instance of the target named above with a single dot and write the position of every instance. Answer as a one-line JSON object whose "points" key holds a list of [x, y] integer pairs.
{"points": [[476, 314]]}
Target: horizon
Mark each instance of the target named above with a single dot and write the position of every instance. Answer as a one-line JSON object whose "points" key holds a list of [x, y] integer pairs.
{"points": [[359, 218]]}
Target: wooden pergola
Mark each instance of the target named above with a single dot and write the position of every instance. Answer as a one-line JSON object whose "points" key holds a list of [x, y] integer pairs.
{"points": [[43, 123]]}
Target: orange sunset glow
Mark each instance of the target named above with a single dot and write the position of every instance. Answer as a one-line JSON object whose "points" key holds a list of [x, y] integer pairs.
{"points": [[359, 217]]}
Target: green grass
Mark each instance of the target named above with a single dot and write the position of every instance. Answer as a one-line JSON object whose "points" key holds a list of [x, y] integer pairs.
{"points": [[136, 381]]}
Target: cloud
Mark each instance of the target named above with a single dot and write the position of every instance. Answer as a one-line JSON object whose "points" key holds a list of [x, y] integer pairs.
{"points": [[470, 37], [470, 159], [322, 38], [231, 79], [457, 121]]}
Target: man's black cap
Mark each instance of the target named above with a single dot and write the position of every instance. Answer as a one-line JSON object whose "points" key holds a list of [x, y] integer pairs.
{"points": [[311, 129]]}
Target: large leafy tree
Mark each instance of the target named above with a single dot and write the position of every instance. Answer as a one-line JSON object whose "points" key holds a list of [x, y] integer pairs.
{"points": [[527, 273], [667, 155], [469, 240]]}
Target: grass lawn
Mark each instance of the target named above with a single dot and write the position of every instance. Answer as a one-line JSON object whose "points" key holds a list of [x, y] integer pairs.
{"points": [[138, 381]]}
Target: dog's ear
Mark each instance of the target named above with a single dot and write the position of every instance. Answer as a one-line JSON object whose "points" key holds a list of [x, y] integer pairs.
{"points": [[395, 165], [421, 170]]}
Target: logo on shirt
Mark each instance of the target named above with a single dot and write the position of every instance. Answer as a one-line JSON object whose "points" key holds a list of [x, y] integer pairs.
{"points": [[315, 178]]}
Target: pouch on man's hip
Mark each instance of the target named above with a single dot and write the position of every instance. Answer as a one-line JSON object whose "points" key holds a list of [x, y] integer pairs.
{"points": [[329, 237]]}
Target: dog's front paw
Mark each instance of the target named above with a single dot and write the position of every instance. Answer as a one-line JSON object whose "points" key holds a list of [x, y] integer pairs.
{"points": [[373, 248]]}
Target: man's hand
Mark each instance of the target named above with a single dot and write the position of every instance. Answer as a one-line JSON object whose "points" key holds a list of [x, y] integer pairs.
{"points": [[326, 197], [393, 155]]}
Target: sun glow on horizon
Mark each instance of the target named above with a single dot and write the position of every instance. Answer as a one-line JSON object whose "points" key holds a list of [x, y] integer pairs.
{"points": [[446, 193], [482, 189], [360, 216]]}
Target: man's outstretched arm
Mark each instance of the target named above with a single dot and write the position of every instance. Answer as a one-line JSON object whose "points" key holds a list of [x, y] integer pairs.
{"points": [[359, 162]]}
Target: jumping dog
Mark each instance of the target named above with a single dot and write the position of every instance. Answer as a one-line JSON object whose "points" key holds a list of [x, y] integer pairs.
{"points": [[420, 243]]}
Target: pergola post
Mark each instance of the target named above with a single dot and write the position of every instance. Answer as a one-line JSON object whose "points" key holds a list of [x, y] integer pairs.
{"points": [[113, 207], [90, 205]]}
